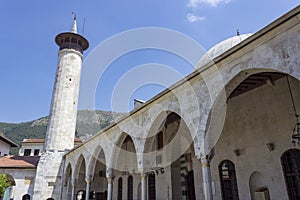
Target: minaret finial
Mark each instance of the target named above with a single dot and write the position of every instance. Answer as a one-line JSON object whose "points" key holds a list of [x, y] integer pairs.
{"points": [[71, 39], [74, 26]]}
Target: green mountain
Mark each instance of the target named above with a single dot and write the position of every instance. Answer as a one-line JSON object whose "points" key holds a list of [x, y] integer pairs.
{"points": [[88, 124]]}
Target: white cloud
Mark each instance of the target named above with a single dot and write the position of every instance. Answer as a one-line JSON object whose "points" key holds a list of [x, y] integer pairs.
{"points": [[214, 3], [194, 18]]}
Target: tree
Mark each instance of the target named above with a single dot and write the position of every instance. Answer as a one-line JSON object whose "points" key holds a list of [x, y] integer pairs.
{"points": [[3, 184]]}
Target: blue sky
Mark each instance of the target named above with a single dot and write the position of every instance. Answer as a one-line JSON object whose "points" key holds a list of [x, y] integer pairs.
{"points": [[29, 53]]}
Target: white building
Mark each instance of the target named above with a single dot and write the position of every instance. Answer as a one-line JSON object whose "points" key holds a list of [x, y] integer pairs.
{"points": [[34, 147], [5, 145], [21, 169]]}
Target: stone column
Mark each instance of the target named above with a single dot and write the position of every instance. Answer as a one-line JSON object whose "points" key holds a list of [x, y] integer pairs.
{"points": [[206, 176], [144, 185], [73, 184], [109, 178], [65, 191], [87, 190], [109, 187]]}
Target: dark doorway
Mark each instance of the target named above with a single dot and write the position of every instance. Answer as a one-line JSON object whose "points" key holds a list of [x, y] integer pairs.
{"points": [[151, 186], [290, 161], [191, 185]]}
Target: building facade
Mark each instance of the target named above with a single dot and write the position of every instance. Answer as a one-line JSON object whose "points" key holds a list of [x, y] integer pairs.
{"points": [[229, 130], [35, 147]]}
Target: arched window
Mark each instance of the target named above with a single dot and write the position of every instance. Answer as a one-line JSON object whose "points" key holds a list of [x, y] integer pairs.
{"points": [[26, 197], [120, 185], [160, 140], [290, 161], [151, 186], [130, 188], [228, 180]]}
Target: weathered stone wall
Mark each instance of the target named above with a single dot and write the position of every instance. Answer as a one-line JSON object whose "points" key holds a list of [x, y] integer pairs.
{"points": [[63, 112], [263, 115], [61, 126]]}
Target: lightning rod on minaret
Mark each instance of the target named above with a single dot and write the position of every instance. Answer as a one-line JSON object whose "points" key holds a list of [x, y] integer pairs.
{"points": [[74, 16], [83, 26]]}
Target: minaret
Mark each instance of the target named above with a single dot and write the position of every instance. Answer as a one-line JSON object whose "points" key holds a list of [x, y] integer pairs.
{"points": [[63, 112]]}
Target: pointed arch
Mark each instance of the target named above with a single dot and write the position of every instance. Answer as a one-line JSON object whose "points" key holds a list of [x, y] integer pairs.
{"points": [[68, 173], [163, 119], [217, 110], [168, 139], [80, 161], [97, 155], [124, 153]]}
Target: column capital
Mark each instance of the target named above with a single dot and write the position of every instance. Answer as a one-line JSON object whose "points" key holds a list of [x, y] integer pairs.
{"points": [[88, 179], [109, 172], [109, 180], [109, 177], [205, 160], [144, 175]]}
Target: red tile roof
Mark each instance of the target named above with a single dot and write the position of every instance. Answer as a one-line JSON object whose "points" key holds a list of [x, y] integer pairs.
{"points": [[33, 141], [19, 161], [76, 139]]}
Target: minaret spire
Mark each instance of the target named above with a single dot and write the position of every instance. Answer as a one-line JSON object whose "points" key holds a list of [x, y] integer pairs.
{"points": [[71, 39], [74, 26]]}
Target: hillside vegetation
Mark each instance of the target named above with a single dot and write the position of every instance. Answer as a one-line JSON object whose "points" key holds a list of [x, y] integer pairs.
{"points": [[88, 124]]}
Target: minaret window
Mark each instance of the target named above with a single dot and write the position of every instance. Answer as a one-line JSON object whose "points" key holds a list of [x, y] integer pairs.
{"points": [[67, 39], [73, 40]]}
